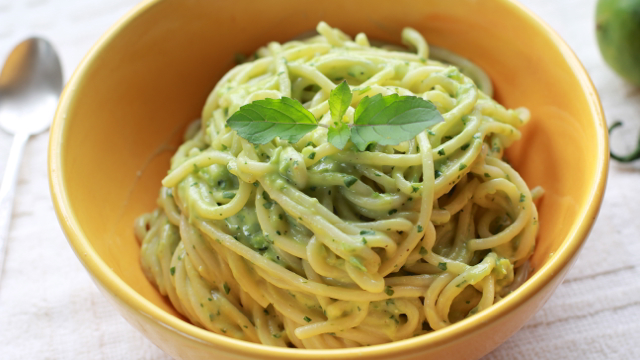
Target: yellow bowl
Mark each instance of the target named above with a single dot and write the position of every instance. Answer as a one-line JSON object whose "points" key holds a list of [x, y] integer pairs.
{"points": [[124, 110]]}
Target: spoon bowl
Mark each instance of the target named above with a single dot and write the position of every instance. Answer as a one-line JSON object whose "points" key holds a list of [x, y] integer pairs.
{"points": [[30, 84]]}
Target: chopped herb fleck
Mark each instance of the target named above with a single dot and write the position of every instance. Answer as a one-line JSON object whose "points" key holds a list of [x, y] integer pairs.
{"points": [[228, 194], [522, 197], [307, 319], [487, 175], [226, 288], [350, 180], [312, 155], [357, 263], [423, 251], [393, 211], [420, 228], [441, 152], [367, 232], [442, 266], [389, 291], [172, 270], [462, 166]]}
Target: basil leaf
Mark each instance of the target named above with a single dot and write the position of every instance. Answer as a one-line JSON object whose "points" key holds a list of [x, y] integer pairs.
{"points": [[391, 119], [339, 135], [262, 120], [339, 102]]}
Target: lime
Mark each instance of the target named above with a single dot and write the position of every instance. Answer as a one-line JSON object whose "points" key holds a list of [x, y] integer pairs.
{"points": [[618, 32]]}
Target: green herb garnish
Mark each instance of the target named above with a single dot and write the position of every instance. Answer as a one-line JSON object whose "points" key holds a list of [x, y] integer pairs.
{"points": [[339, 101], [391, 119], [357, 263], [262, 120], [385, 120], [350, 180], [389, 291]]}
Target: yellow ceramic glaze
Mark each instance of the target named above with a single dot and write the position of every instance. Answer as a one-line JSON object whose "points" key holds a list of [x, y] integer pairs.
{"points": [[124, 110]]}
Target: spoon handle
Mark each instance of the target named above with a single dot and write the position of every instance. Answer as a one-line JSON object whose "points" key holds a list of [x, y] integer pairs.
{"points": [[7, 190]]}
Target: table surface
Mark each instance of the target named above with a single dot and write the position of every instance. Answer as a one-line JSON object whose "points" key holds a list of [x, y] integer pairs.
{"points": [[49, 307]]}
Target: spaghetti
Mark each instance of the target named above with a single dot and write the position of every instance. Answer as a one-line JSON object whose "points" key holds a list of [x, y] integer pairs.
{"points": [[305, 245]]}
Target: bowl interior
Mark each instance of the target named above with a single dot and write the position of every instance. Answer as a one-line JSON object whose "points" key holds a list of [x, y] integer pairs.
{"points": [[131, 100]]}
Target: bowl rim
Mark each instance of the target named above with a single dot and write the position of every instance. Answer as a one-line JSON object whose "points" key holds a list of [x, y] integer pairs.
{"points": [[107, 279]]}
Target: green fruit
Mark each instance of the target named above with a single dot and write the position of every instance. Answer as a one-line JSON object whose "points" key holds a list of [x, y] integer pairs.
{"points": [[618, 32]]}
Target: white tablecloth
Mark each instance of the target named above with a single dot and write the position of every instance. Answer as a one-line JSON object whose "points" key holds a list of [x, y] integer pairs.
{"points": [[50, 309]]}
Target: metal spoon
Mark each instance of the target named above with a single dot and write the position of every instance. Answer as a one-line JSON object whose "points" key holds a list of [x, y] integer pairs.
{"points": [[30, 84]]}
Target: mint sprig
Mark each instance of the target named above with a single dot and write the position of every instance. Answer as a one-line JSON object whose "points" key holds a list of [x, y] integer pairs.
{"points": [[391, 119], [262, 120], [339, 101], [385, 120]]}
